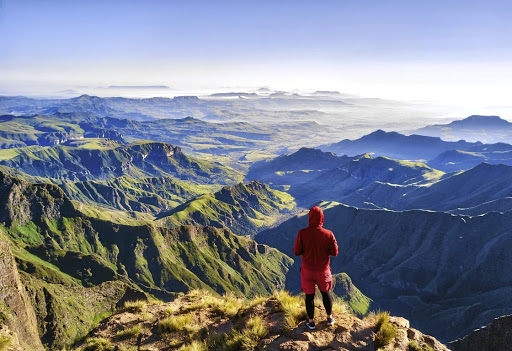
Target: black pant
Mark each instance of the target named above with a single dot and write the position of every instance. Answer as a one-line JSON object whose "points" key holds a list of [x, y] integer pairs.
{"points": [[310, 303]]}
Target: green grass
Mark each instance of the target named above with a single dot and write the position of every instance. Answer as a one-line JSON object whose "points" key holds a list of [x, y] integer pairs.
{"points": [[181, 323], [129, 333], [293, 308], [385, 331], [246, 339], [415, 346], [5, 342], [97, 344]]}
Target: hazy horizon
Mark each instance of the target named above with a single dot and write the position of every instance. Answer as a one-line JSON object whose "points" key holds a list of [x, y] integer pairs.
{"points": [[441, 52]]}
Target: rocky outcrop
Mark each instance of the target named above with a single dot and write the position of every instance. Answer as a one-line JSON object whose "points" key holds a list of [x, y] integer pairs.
{"points": [[201, 321], [495, 336], [17, 318]]}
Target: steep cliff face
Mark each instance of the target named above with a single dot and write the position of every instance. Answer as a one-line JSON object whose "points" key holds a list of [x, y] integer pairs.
{"points": [[16, 311], [495, 336]]}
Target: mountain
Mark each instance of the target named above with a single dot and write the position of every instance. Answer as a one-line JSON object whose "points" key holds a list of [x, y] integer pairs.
{"points": [[243, 208], [495, 336], [295, 168], [396, 145], [446, 273], [447, 156], [139, 159], [488, 129], [201, 321], [75, 268], [455, 160]]}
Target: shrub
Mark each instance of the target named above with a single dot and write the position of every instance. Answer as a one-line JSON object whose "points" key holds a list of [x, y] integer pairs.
{"points": [[129, 333], [386, 331], [97, 344], [133, 306]]}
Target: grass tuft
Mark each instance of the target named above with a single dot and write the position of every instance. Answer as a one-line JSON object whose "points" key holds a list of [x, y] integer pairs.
{"points": [[293, 308], [97, 344], [414, 346], [386, 331], [133, 306], [178, 324], [5, 342], [194, 346], [129, 333]]}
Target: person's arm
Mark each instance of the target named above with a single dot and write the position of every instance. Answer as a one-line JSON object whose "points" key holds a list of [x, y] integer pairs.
{"points": [[333, 247], [298, 249]]}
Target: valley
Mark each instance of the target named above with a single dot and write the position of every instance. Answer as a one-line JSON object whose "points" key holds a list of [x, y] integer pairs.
{"points": [[108, 200]]}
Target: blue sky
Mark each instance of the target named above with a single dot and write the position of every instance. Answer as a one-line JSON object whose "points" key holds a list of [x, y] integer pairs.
{"points": [[367, 47]]}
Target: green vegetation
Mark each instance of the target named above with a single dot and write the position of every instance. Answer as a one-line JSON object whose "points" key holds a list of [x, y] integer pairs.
{"points": [[244, 208], [415, 346], [292, 306], [356, 301], [97, 344], [129, 333], [385, 331], [133, 306], [5, 342], [182, 323]]}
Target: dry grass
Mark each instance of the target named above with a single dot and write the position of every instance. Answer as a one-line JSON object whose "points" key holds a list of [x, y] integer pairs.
{"points": [[133, 306], [293, 308], [178, 324], [227, 305], [5, 342], [129, 333], [97, 344], [386, 331], [414, 346], [194, 346]]}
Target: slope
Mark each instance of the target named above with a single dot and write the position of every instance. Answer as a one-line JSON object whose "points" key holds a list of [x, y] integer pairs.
{"points": [[139, 159], [243, 208]]}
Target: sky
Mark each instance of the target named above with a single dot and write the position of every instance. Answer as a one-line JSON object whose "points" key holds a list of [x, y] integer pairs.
{"points": [[439, 50]]}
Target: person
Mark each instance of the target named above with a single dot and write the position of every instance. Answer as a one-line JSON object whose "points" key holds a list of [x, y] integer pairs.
{"points": [[316, 244]]}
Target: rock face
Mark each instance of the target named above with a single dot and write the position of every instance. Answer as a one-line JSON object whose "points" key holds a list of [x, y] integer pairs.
{"points": [[16, 312], [495, 336]]}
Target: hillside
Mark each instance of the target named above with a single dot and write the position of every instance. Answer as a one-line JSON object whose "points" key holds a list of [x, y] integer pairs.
{"points": [[473, 128], [67, 260], [446, 273], [138, 160], [199, 321], [243, 208], [148, 195]]}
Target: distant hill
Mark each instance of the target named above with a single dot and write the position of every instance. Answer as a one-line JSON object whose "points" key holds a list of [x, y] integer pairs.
{"points": [[295, 168], [243, 208], [138, 160], [446, 273], [494, 336], [455, 160], [487, 129], [396, 145]]}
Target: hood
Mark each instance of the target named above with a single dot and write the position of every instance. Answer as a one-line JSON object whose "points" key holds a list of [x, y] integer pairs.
{"points": [[316, 217]]}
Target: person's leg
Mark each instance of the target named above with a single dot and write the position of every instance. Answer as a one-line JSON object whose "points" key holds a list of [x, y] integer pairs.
{"points": [[310, 306], [327, 300]]}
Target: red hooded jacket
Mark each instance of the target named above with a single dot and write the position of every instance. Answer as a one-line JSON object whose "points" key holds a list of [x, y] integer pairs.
{"points": [[315, 243]]}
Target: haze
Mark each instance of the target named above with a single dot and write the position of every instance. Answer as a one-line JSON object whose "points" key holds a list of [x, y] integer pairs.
{"points": [[438, 51]]}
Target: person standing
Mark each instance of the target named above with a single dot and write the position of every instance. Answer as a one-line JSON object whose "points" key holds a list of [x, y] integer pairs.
{"points": [[316, 244]]}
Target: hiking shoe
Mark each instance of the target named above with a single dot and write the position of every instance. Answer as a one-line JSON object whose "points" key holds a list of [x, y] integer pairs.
{"points": [[310, 325], [330, 321]]}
